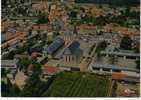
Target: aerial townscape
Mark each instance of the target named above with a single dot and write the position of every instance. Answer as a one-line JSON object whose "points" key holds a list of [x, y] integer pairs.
{"points": [[70, 48]]}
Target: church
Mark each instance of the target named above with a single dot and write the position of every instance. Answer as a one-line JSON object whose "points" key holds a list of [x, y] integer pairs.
{"points": [[72, 55]]}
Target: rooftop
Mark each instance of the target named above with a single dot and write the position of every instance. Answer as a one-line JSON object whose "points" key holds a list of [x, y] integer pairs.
{"points": [[114, 67], [58, 42], [50, 70], [8, 63], [121, 53]]}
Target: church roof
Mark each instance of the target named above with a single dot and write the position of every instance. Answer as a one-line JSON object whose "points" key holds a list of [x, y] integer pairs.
{"points": [[73, 48]]}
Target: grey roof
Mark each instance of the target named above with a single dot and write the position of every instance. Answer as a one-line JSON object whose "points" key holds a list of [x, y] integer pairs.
{"points": [[12, 30], [132, 79], [3, 37], [5, 55], [72, 48], [8, 63], [121, 53], [113, 67], [67, 51], [57, 43]]}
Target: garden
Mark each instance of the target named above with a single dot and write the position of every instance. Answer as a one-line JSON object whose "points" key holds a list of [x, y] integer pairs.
{"points": [[76, 84]]}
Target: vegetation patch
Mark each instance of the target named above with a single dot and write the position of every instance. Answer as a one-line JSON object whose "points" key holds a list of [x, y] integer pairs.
{"points": [[74, 84]]}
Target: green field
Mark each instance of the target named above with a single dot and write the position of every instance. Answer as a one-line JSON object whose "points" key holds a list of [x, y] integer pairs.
{"points": [[76, 84]]}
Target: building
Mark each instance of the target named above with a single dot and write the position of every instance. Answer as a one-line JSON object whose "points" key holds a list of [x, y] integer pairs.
{"points": [[20, 56], [51, 36], [68, 36], [41, 27], [48, 71], [109, 68], [40, 6], [122, 53], [4, 55], [108, 37], [14, 39], [10, 33], [3, 38], [121, 30], [72, 55], [10, 65], [53, 47], [84, 28], [125, 77]]}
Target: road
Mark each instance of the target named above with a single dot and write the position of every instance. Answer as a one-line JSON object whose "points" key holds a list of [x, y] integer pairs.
{"points": [[87, 60]]}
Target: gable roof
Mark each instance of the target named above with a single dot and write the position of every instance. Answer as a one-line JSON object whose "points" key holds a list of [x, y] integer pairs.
{"points": [[58, 42]]}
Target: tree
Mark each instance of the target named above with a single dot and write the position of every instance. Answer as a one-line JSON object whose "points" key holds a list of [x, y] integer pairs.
{"points": [[4, 89], [3, 72], [103, 45], [126, 43], [138, 64], [34, 86], [137, 48], [42, 18], [73, 14], [9, 90], [23, 63], [98, 56]]}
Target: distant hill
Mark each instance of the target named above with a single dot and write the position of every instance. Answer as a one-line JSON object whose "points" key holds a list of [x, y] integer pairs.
{"points": [[112, 2]]}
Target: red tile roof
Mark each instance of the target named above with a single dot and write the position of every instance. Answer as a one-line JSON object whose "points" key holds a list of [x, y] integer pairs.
{"points": [[50, 70], [41, 27], [118, 76], [87, 27]]}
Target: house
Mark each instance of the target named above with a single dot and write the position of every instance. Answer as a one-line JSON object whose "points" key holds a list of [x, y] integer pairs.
{"points": [[48, 71], [9, 64], [21, 56], [118, 76], [125, 77], [41, 27], [87, 28]]}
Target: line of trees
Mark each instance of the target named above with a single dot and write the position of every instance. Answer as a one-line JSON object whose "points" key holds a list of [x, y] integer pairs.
{"points": [[111, 2]]}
